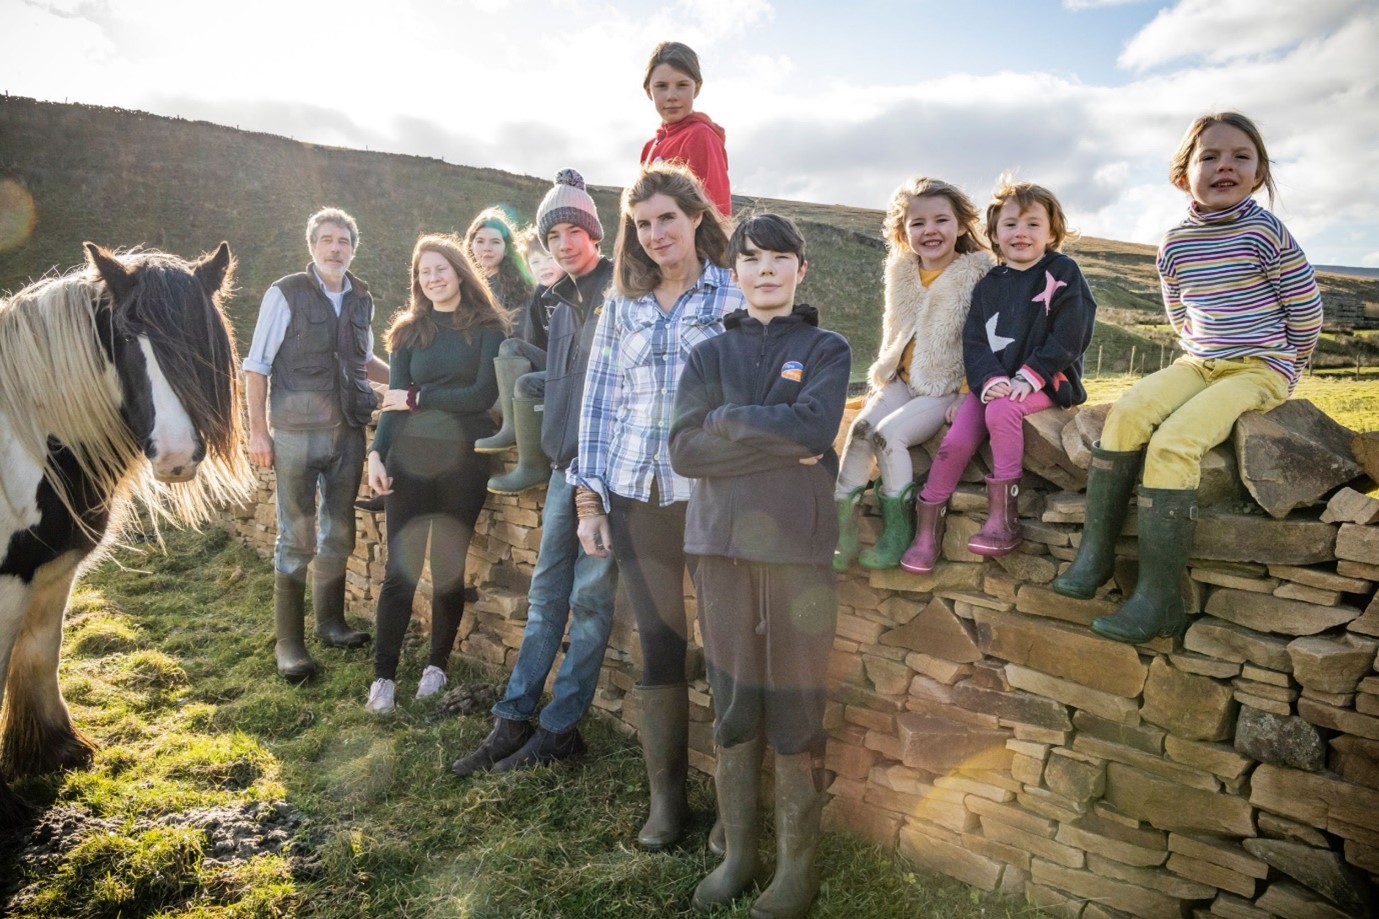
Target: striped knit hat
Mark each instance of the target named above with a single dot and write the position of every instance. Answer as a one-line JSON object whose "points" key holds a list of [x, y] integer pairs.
{"points": [[568, 202]]}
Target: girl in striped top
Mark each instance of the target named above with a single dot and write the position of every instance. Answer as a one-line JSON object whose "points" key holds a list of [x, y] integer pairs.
{"points": [[1243, 300]]}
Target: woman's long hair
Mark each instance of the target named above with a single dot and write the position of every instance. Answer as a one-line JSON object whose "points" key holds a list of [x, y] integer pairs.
{"points": [[513, 284], [634, 272], [415, 326]]}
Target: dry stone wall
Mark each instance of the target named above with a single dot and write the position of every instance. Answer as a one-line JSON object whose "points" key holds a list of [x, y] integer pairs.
{"points": [[979, 727]]}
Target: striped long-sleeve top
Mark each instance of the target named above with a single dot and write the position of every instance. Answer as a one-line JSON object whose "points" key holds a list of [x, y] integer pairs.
{"points": [[1236, 285]]}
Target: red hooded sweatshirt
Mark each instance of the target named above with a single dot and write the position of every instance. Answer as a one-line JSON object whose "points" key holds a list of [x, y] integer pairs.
{"points": [[697, 142]]}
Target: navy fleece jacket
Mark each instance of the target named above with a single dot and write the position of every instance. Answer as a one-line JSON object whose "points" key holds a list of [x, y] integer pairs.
{"points": [[1039, 320], [751, 403]]}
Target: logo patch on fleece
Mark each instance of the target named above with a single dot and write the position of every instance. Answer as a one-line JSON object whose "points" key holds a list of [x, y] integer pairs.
{"points": [[792, 370]]}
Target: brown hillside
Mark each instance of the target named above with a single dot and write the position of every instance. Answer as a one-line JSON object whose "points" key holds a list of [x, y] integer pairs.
{"points": [[124, 178]]}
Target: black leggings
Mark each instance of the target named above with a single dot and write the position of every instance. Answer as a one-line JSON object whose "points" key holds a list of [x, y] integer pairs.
{"points": [[649, 546], [438, 490]]}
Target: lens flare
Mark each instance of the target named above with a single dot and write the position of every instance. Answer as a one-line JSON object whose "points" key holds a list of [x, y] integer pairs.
{"points": [[17, 214]]}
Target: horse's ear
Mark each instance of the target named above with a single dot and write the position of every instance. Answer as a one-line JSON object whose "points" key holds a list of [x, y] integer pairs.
{"points": [[213, 271], [117, 277]]}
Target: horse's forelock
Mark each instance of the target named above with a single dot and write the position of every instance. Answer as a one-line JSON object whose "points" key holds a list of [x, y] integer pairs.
{"points": [[194, 345]]}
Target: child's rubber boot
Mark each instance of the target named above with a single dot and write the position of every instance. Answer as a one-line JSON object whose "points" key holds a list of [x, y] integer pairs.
{"points": [[923, 553], [1000, 535], [1168, 518], [507, 370], [532, 467], [897, 516], [1110, 479], [849, 542]]}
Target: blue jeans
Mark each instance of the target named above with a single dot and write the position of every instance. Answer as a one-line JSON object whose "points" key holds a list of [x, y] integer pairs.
{"points": [[566, 582], [324, 461]]}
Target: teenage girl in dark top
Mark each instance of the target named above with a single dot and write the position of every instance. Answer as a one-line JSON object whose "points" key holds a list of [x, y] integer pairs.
{"points": [[441, 383]]}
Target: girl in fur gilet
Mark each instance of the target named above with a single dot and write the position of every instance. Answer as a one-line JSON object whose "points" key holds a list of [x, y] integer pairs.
{"points": [[935, 259]]}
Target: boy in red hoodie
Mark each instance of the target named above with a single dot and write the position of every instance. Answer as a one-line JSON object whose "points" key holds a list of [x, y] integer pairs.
{"points": [[672, 83]]}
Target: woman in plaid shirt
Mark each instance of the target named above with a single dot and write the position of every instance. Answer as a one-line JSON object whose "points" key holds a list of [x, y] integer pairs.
{"points": [[672, 291]]}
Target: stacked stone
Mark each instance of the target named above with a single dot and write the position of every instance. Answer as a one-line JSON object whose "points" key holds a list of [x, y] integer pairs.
{"points": [[982, 729], [1234, 774]]}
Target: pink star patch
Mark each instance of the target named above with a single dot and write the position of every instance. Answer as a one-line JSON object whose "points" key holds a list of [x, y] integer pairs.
{"points": [[1051, 285]]}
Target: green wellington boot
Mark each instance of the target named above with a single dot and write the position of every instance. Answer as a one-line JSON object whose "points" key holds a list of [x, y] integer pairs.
{"points": [[1168, 518], [1110, 479], [533, 468], [289, 614], [737, 785], [507, 370], [897, 516], [328, 606], [664, 733], [799, 809], [848, 540]]}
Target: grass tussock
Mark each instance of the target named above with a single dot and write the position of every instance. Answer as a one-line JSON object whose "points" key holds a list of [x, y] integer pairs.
{"points": [[177, 684]]}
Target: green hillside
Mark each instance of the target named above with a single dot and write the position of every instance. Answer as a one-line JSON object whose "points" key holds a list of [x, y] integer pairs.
{"points": [[125, 178]]}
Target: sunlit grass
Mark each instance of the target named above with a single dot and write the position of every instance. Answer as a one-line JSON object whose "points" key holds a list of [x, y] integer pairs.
{"points": [[170, 668]]}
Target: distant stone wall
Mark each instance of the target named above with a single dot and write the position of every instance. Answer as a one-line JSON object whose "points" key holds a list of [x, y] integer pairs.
{"points": [[982, 729]]}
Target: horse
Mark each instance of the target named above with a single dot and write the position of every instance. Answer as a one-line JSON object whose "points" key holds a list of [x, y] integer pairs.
{"points": [[118, 390]]}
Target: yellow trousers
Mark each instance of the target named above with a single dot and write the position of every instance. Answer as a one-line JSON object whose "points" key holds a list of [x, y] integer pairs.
{"points": [[1187, 408]]}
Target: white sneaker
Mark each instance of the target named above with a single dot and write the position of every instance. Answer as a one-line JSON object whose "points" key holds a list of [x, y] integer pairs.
{"points": [[381, 695], [432, 682]]}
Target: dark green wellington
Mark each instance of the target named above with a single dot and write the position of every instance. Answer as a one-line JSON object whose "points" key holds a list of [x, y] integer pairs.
{"points": [[1110, 480], [799, 807], [1168, 518], [289, 614], [737, 784], [532, 467], [507, 370], [898, 518], [849, 542]]}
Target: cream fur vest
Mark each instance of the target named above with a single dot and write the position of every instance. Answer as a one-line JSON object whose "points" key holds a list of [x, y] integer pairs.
{"points": [[933, 316]]}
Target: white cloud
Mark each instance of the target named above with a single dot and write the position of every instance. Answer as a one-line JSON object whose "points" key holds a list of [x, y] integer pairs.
{"points": [[532, 86], [1226, 30]]}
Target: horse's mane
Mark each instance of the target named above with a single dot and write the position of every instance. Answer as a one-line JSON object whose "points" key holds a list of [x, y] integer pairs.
{"points": [[55, 382]]}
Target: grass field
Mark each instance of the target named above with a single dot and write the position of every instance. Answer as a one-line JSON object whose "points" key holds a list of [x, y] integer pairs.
{"points": [[169, 665]]}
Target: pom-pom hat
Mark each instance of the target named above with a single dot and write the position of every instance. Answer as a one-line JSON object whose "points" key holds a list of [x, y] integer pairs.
{"points": [[568, 202]]}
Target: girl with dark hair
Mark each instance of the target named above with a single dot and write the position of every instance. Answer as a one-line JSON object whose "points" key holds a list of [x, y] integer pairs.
{"points": [[441, 383], [491, 244], [672, 291]]}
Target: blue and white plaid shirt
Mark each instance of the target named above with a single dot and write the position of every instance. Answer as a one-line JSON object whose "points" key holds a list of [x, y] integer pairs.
{"points": [[629, 389]]}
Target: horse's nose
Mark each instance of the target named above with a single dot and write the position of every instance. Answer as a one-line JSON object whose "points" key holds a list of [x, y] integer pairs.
{"points": [[177, 465]]}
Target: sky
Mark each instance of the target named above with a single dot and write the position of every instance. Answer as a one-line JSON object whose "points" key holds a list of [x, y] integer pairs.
{"points": [[835, 103]]}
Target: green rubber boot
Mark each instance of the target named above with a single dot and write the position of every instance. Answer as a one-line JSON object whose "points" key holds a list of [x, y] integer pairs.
{"points": [[664, 733], [849, 542], [1168, 518], [289, 614], [533, 468], [1110, 479], [799, 809], [328, 606], [737, 784], [897, 514], [507, 370]]}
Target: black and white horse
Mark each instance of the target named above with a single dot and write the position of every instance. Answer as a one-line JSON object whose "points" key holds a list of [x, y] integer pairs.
{"points": [[117, 383]]}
